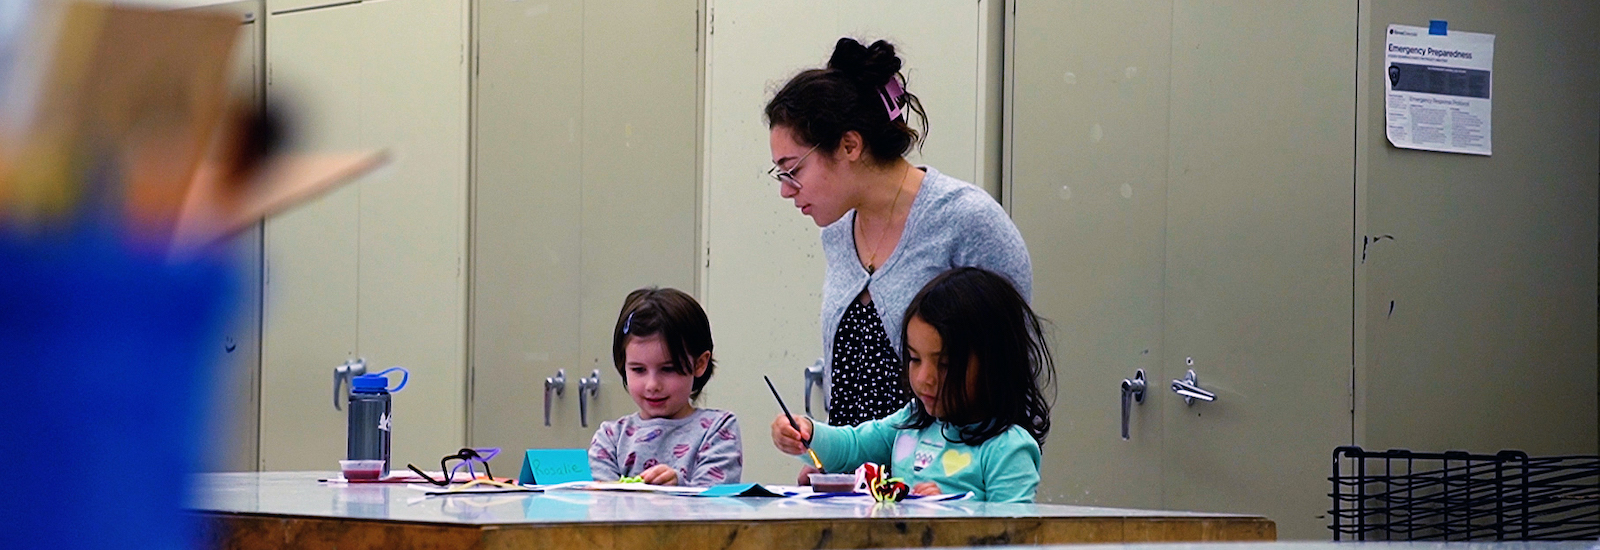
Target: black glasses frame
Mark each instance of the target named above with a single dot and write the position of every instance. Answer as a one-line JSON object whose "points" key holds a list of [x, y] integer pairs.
{"points": [[466, 455]]}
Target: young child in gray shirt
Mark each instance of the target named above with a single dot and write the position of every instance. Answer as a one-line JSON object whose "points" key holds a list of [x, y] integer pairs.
{"points": [[662, 348]]}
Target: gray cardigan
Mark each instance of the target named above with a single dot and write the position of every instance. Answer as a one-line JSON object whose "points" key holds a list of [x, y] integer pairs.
{"points": [[952, 224]]}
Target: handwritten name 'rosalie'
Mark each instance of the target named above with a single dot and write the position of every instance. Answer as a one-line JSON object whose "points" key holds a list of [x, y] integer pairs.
{"points": [[559, 469]]}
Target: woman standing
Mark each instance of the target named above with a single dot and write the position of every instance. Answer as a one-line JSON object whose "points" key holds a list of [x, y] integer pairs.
{"points": [[839, 136]]}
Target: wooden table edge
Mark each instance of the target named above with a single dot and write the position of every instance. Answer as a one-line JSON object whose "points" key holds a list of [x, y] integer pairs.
{"points": [[245, 530]]}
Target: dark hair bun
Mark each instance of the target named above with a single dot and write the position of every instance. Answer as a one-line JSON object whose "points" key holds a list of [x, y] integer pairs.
{"points": [[871, 65], [822, 105]]}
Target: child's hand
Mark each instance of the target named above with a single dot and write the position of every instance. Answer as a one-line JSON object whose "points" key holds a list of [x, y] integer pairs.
{"points": [[805, 474], [660, 474], [788, 440], [926, 488]]}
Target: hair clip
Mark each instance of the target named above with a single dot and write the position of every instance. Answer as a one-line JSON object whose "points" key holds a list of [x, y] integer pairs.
{"points": [[628, 322], [891, 94]]}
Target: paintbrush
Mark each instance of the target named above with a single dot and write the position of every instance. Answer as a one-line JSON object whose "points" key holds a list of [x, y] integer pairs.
{"points": [[795, 425]]}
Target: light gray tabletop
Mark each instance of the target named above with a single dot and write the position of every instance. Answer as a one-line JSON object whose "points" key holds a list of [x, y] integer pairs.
{"points": [[300, 494]]}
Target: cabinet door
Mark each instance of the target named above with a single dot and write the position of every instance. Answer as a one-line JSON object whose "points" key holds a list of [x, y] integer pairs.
{"points": [[526, 239], [1187, 197], [413, 215], [1087, 187], [587, 187], [641, 177], [240, 351], [309, 322], [281, 6], [1259, 272], [374, 269]]}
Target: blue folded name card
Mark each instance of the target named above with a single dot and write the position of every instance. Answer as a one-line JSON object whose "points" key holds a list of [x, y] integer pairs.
{"points": [[547, 466]]}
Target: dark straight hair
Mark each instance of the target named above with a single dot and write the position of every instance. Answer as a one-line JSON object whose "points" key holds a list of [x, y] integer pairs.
{"points": [[980, 316], [677, 319], [820, 105]]}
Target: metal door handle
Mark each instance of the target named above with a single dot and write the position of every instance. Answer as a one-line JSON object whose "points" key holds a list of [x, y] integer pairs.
{"points": [[814, 378], [557, 384], [1132, 391], [342, 375], [588, 388], [1189, 388]]}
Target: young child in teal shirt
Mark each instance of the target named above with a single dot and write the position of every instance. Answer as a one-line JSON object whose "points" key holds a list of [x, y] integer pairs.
{"points": [[976, 360]]}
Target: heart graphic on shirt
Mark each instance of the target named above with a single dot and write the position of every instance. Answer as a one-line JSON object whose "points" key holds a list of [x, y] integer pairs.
{"points": [[954, 461]]}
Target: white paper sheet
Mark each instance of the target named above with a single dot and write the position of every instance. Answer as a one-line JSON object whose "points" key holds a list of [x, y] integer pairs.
{"points": [[1438, 90]]}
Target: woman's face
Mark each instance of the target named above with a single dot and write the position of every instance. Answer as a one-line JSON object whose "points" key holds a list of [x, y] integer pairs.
{"points": [[822, 192]]}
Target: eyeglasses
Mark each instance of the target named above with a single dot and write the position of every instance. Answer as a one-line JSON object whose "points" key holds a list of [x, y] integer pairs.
{"points": [[786, 177], [465, 457]]}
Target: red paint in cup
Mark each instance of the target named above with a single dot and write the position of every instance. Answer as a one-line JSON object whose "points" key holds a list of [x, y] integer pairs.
{"points": [[361, 470]]}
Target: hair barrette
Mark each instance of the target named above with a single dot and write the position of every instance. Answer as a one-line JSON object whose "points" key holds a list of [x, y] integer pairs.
{"points": [[628, 323], [891, 94]]}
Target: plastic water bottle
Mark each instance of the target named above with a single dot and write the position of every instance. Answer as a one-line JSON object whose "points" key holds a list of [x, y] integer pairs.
{"points": [[371, 414]]}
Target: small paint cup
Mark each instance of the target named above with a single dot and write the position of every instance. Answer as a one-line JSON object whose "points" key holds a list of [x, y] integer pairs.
{"points": [[361, 470], [833, 483]]}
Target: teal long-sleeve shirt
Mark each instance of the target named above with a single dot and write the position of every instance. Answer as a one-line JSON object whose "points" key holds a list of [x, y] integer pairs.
{"points": [[1003, 469]]}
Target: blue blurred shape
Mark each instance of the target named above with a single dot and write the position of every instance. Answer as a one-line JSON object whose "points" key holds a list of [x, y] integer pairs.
{"points": [[105, 357]]}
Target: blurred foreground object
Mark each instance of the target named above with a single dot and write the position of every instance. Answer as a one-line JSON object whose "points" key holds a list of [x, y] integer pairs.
{"points": [[122, 161], [106, 355], [130, 127]]}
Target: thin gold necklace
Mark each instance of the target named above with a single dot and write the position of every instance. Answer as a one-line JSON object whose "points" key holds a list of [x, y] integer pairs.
{"points": [[872, 260]]}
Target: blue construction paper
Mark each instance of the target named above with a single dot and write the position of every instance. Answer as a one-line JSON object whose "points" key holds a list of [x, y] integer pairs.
{"points": [[547, 466]]}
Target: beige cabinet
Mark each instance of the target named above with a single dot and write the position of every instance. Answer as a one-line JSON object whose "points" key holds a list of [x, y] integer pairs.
{"points": [[376, 269], [1187, 199], [1205, 185], [235, 422], [1202, 184], [589, 184], [238, 355], [586, 159], [1258, 256], [762, 277], [1088, 103], [585, 132]]}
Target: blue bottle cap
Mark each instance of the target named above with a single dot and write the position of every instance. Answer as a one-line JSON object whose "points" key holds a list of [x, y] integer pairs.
{"points": [[378, 383], [369, 383]]}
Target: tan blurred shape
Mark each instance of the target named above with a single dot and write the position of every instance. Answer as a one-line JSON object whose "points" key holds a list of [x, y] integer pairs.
{"points": [[217, 208], [142, 95]]}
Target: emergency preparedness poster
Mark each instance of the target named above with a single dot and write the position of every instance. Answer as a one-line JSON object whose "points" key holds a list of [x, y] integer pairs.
{"points": [[1439, 89]]}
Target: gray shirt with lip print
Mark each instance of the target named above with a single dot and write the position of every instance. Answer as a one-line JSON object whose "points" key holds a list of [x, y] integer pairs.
{"points": [[703, 447]]}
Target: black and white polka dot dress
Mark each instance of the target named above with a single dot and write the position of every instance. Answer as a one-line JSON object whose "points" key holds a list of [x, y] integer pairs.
{"points": [[866, 369]]}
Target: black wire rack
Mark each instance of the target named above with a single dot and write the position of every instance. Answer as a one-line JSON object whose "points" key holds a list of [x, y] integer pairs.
{"points": [[1400, 495]]}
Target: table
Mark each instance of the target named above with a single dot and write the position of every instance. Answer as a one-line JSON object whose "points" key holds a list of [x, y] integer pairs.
{"points": [[1308, 545], [291, 509]]}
